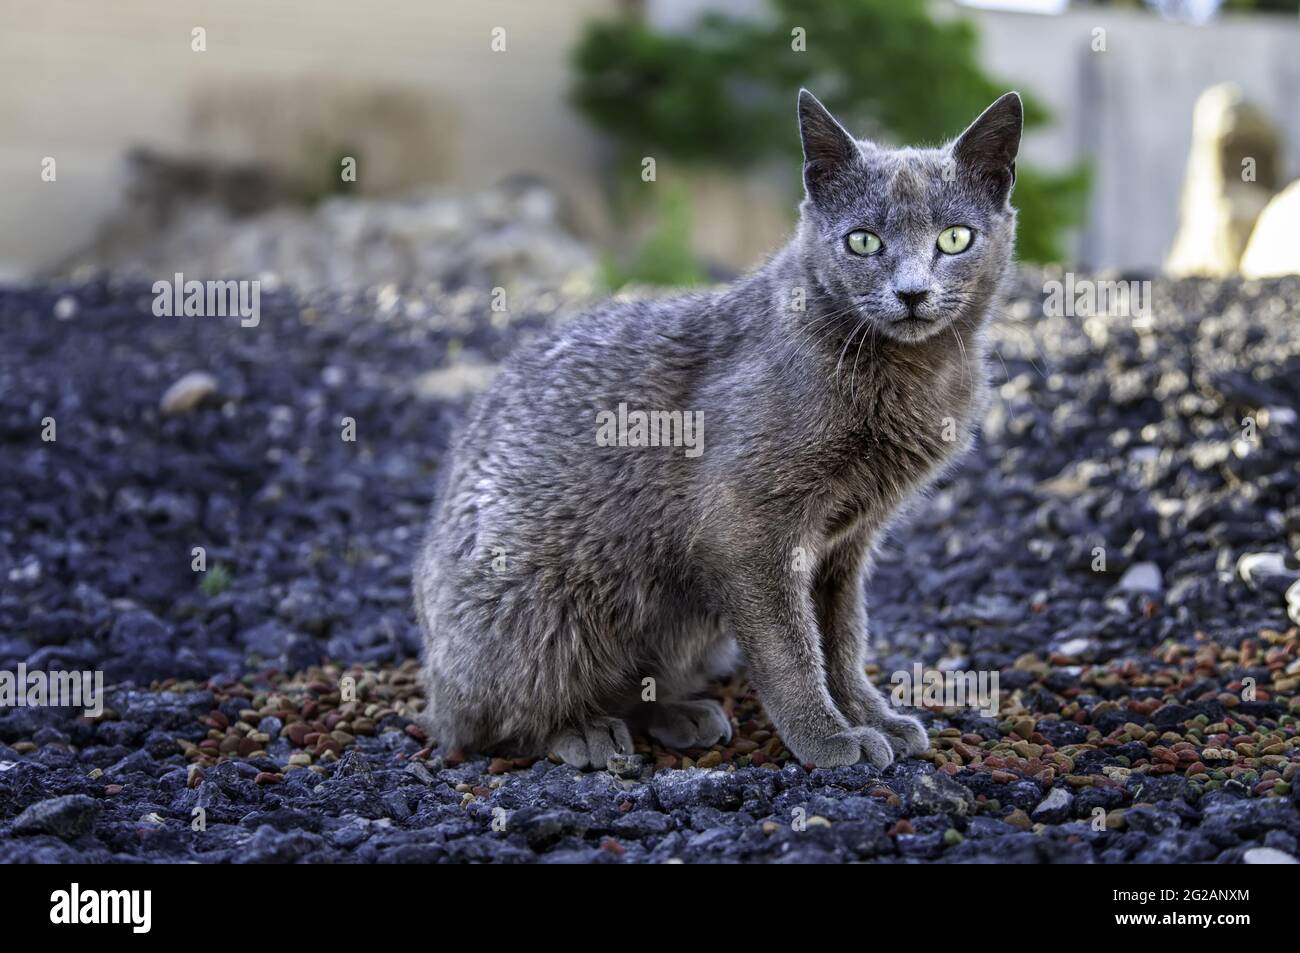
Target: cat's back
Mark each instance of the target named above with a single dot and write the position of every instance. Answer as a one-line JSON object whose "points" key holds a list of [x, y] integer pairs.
{"points": [[529, 449], [651, 353], [621, 343]]}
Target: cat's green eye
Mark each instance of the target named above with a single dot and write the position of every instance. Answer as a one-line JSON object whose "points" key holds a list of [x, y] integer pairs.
{"points": [[954, 239], [863, 242]]}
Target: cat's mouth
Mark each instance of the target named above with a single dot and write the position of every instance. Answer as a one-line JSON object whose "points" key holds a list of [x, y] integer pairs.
{"points": [[905, 324], [912, 327]]}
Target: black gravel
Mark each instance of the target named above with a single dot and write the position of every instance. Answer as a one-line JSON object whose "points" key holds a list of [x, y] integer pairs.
{"points": [[1106, 433]]}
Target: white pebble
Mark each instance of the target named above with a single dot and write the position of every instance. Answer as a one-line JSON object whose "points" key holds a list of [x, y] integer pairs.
{"points": [[188, 392], [1142, 577]]}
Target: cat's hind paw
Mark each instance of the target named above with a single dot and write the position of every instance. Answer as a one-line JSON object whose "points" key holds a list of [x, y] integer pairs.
{"points": [[592, 744], [906, 735], [688, 724]]}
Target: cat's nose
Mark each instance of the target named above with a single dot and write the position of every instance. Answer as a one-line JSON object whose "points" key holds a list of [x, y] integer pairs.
{"points": [[912, 298]]}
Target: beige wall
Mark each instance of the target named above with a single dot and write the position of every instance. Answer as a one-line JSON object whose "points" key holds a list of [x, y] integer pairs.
{"points": [[411, 86]]}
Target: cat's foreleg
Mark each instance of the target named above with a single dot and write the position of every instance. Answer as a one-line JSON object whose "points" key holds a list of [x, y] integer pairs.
{"points": [[842, 617], [776, 628]]}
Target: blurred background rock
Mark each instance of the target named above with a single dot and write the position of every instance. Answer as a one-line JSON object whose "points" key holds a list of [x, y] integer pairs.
{"points": [[168, 158]]}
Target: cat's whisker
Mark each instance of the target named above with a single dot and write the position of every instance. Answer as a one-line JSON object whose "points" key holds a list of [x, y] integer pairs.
{"points": [[962, 347], [1010, 324], [853, 378], [849, 340], [1005, 373], [823, 327]]}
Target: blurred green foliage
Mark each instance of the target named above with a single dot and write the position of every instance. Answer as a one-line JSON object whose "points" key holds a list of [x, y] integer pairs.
{"points": [[1048, 204], [723, 93], [664, 257], [216, 580]]}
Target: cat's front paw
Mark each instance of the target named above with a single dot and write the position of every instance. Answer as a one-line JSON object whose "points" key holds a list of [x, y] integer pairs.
{"points": [[907, 736], [846, 747], [591, 745]]}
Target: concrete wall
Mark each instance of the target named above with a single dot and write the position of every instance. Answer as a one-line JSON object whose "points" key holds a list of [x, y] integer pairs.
{"points": [[410, 86], [413, 88], [1129, 109]]}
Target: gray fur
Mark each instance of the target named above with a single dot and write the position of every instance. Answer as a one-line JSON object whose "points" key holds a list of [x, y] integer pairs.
{"points": [[558, 573]]}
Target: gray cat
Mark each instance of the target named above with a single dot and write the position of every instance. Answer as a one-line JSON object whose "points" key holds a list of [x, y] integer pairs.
{"points": [[581, 562]]}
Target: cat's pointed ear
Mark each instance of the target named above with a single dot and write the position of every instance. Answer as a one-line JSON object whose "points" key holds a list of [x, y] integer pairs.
{"points": [[827, 148], [989, 145]]}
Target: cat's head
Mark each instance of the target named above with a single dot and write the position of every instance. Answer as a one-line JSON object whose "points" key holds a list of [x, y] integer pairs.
{"points": [[909, 240]]}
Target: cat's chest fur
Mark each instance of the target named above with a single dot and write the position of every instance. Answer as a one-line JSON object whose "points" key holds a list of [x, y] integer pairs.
{"points": [[896, 434]]}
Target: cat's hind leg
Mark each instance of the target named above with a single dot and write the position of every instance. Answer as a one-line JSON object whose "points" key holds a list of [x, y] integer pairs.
{"points": [[680, 720]]}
